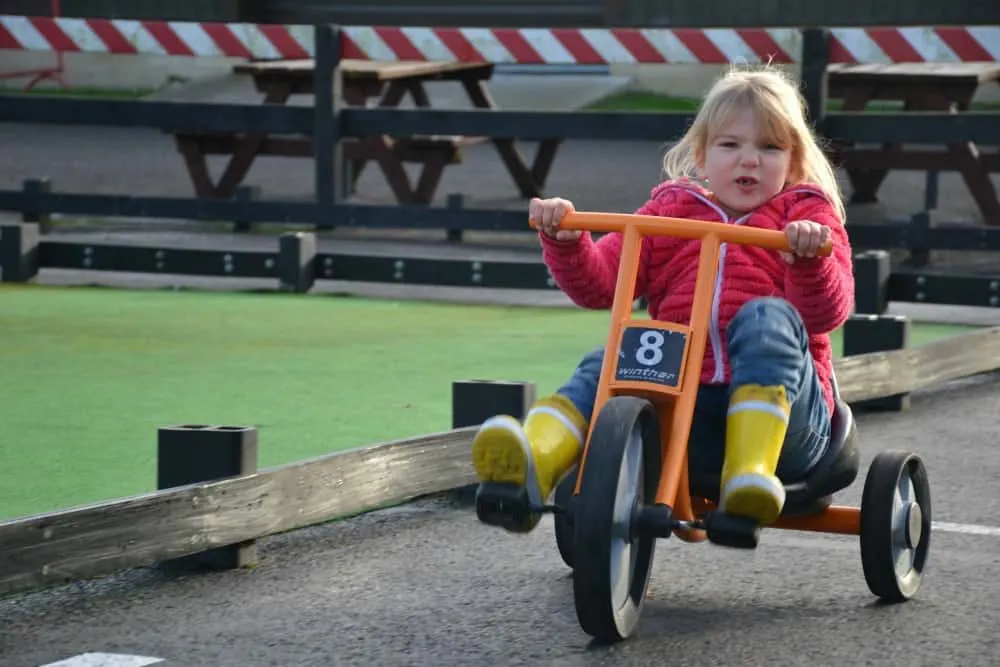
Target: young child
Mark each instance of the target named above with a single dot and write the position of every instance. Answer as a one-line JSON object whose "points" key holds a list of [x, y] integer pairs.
{"points": [[762, 414]]}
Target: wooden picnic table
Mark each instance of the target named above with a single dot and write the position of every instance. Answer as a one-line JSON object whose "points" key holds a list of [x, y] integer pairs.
{"points": [[937, 87], [365, 82]]}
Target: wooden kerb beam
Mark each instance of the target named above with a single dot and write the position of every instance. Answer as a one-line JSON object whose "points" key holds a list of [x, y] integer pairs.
{"points": [[151, 528], [881, 374]]}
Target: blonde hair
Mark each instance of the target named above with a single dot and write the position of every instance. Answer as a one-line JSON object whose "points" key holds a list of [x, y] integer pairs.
{"points": [[779, 108]]}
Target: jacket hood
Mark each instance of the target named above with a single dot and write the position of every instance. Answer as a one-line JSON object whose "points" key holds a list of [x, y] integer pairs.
{"points": [[689, 191]]}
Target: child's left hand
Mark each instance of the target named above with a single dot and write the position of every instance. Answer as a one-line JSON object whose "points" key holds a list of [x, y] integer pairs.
{"points": [[805, 237]]}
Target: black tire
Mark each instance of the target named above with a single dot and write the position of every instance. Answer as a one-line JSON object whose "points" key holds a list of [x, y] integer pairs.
{"points": [[625, 438], [564, 522], [895, 505]]}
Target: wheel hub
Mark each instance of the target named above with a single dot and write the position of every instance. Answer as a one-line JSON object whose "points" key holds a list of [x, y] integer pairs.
{"points": [[914, 525], [907, 528]]}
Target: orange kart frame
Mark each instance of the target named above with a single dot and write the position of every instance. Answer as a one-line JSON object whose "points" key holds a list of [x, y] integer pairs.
{"points": [[675, 405], [606, 527]]}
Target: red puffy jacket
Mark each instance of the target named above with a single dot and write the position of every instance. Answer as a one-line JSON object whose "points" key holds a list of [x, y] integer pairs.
{"points": [[821, 289]]}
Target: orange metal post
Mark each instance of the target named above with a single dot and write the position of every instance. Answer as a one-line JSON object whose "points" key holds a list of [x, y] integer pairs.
{"points": [[621, 310], [674, 463], [835, 519]]}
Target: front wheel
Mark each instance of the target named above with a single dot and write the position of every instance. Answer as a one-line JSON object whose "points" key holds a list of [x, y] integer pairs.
{"points": [[612, 561]]}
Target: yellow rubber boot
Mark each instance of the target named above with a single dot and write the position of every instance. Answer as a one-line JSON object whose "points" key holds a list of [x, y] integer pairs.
{"points": [[534, 455], [755, 431]]}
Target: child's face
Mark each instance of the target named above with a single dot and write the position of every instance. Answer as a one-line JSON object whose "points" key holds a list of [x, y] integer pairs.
{"points": [[742, 168]]}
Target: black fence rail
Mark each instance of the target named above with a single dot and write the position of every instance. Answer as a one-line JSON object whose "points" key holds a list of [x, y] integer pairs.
{"points": [[296, 265]]}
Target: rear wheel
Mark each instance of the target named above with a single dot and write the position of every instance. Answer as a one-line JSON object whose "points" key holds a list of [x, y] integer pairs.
{"points": [[895, 525]]}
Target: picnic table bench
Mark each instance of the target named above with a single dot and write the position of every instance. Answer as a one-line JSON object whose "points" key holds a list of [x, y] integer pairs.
{"points": [[364, 82], [937, 87]]}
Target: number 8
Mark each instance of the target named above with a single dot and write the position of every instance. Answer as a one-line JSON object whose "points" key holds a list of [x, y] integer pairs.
{"points": [[650, 351]]}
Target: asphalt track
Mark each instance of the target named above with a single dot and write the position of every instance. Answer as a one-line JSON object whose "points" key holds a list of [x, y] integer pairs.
{"points": [[426, 584]]}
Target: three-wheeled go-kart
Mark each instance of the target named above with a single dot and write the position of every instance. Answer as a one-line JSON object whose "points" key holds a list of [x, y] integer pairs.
{"points": [[632, 484]]}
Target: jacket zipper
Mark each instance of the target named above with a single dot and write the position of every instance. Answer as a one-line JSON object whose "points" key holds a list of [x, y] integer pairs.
{"points": [[714, 330]]}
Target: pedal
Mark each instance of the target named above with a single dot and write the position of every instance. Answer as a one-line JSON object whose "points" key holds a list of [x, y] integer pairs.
{"points": [[503, 505], [732, 531]]}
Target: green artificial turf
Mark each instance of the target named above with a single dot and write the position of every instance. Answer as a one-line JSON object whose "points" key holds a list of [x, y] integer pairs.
{"points": [[88, 374]]}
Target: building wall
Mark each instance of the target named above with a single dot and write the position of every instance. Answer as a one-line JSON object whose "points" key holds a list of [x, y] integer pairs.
{"points": [[166, 10], [538, 13], [801, 13]]}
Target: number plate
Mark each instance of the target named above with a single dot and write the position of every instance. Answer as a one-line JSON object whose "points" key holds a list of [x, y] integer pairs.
{"points": [[651, 355]]}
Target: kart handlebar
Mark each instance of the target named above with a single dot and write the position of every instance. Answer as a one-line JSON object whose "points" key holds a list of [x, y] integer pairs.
{"points": [[652, 225]]}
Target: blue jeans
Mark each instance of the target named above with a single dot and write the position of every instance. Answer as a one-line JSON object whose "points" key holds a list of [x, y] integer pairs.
{"points": [[767, 345]]}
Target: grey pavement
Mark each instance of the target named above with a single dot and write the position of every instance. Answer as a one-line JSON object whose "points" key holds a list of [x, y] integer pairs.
{"points": [[426, 584]]}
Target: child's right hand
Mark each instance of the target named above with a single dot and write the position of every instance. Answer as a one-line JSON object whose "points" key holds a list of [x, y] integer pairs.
{"points": [[548, 213]]}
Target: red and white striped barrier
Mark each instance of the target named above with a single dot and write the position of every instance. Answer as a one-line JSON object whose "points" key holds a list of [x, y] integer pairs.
{"points": [[597, 46]]}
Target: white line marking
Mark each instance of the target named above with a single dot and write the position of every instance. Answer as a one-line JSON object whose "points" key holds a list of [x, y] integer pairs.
{"points": [[966, 528], [105, 660]]}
